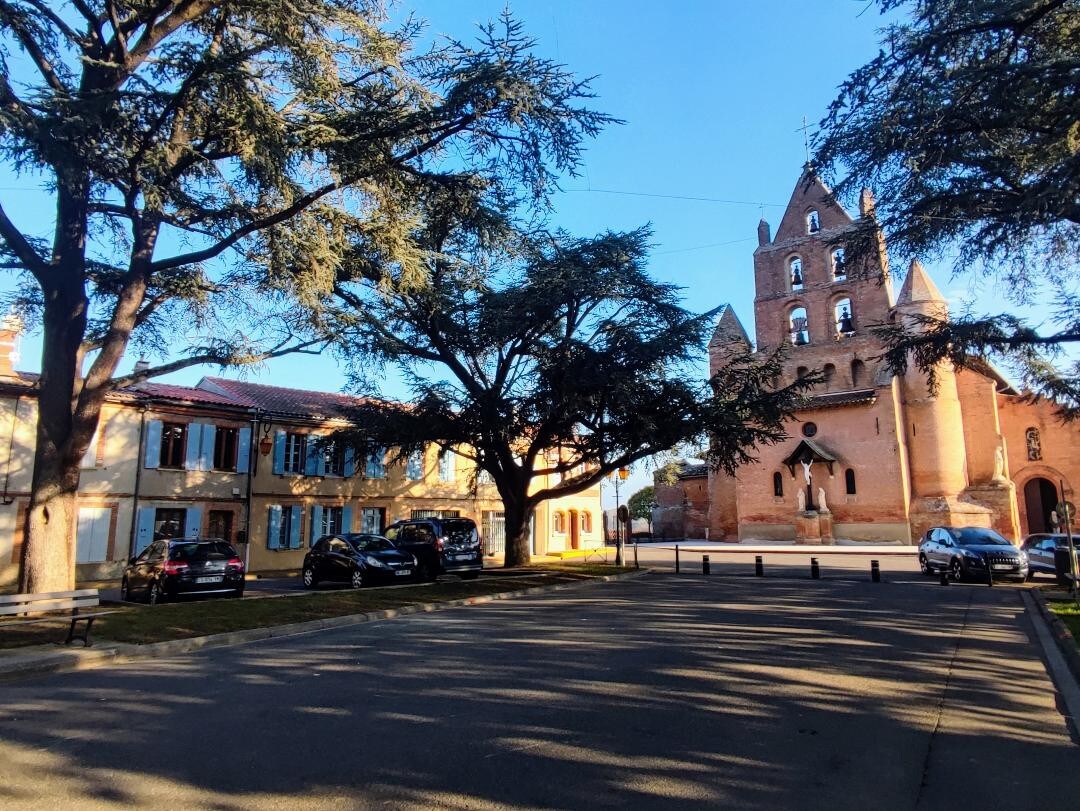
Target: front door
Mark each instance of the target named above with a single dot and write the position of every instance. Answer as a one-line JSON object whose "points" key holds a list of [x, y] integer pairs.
{"points": [[575, 528], [1040, 499]]}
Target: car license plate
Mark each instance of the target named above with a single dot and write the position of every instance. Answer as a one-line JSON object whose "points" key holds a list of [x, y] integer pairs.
{"points": [[403, 572], [999, 566], [208, 579], [462, 557]]}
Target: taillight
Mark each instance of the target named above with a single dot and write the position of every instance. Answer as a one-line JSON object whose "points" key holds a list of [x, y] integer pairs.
{"points": [[174, 567], [235, 563]]}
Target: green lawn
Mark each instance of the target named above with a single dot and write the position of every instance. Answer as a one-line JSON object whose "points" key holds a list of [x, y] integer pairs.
{"points": [[1062, 605], [180, 620]]}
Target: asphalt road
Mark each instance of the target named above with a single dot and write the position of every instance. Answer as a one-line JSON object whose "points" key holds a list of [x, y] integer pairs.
{"points": [[665, 692]]}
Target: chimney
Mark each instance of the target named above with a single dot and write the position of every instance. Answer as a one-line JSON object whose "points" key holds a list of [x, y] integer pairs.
{"points": [[11, 328], [141, 365]]}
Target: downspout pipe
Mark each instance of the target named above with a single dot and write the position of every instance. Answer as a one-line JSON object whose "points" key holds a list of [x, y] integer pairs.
{"points": [[11, 449], [139, 460], [253, 468]]}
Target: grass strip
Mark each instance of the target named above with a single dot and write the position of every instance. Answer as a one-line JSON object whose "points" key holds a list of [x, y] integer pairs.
{"points": [[137, 624], [1068, 611]]}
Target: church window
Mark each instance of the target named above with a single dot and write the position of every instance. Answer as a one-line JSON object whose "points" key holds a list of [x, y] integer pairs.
{"points": [[813, 222], [829, 373], [799, 327], [809, 429], [849, 481], [839, 266], [778, 485], [802, 371], [1034, 444], [795, 274], [557, 522], [858, 373], [844, 316]]}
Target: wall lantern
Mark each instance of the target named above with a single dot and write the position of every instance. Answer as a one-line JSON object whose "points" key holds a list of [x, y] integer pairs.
{"points": [[624, 473], [266, 444]]}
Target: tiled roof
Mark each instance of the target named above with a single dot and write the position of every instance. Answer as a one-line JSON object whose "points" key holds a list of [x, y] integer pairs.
{"points": [[281, 400], [841, 398], [691, 471], [186, 393]]}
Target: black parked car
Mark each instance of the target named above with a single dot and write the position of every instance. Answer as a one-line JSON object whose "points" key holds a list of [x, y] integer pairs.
{"points": [[356, 559], [441, 545], [169, 568], [1047, 554], [971, 552]]}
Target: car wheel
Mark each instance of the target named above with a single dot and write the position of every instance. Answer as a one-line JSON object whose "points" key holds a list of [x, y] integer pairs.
{"points": [[125, 591], [357, 579], [236, 594], [924, 565], [956, 569], [308, 578], [469, 575], [424, 573], [157, 594]]}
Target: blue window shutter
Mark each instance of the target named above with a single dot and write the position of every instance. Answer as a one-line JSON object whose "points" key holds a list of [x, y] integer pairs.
{"points": [[153, 444], [346, 519], [243, 449], [320, 462], [316, 523], [273, 527], [144, 528], [193, 522], [294, 529], [279, 453], [194, 441], [206, 447], [311, 464], [350, 461]]}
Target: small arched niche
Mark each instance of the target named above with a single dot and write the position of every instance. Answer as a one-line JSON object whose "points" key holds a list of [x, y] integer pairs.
{"points": [[828, 372], [844, 318], [813, 222], [799, 326], [795, 273], [858, 373], [839, 265]]}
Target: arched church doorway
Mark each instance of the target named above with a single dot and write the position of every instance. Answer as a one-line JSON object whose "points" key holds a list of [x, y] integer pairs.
{"points": [[1040, 499]]}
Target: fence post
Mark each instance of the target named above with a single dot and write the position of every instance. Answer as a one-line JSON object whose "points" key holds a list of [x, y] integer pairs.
{"points": [[815, 570], [759, 566], [875, 571], [704, 564], [676, 558]]}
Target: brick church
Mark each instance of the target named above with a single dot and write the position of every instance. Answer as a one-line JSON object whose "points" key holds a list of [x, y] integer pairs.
{"points": [[873, 456]]}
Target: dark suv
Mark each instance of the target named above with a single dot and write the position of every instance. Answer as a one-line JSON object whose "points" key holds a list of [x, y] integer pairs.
{"points": [[440, 545], [170, 568]]}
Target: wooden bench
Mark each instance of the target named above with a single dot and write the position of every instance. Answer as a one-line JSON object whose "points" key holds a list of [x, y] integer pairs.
{"points": [[27, 604]]}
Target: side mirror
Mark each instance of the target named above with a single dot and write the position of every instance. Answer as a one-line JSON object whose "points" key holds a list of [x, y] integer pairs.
{"points": [[131, 559]]}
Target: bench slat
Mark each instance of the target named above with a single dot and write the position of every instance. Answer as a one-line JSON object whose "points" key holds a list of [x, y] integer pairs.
{"points": [[46, 595], [49, 605], [66, 619]]}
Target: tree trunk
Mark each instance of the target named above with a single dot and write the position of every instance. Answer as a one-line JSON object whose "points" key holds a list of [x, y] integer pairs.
{"points": [[517, 516]]}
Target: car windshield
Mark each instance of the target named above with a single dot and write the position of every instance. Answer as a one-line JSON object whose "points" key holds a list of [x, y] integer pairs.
{"points": [[371, 543], [976, 536], [196, 550], [461, 530]]}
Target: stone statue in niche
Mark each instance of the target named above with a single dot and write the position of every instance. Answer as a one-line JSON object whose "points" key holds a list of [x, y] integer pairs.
{"points": [[822, 505], [800, 500], [999, 464], [806, 471]]}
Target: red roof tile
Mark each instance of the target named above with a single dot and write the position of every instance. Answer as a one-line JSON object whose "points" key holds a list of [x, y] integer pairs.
{"points": [[186, 393], [281, 400]]}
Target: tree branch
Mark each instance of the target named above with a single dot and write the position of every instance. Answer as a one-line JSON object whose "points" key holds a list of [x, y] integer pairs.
{"points": [[21, 247]]}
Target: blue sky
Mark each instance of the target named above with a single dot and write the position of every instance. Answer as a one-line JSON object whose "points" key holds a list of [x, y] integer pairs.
{"points": [[713, 95]]}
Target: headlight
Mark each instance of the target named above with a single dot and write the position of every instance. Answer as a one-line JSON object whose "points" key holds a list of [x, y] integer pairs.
{"points": [[373, 561], [973, 557], [1023, 557]]}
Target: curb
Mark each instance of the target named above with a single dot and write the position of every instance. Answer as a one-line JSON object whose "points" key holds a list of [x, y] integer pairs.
{"points": [[121, 653], [1060, 633]]}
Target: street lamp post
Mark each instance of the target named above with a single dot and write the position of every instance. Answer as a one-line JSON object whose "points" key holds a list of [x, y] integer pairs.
{"points": [[623, 473]]}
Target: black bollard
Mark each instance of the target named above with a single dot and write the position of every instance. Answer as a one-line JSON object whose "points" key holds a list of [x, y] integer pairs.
{"points": [[944, 577], [815, 569], [875, 571], [759, 566], [989, 575], [676, 558], [704, 564]]}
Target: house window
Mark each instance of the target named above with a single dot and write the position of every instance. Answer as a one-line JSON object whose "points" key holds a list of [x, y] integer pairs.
{"points": [[483, 477], [586, 522], [173, 444], [334, 459], [446, 466], [295, 452], [285, 529], [372, 520], [331, 521], [414, 467], [843, 315], [220, 525], [795, 275], [375, 468], [799, 327], [849, 481], [858, 373], [1034, 444], [778, 485], [813, 222], [225, 448], [169, 523], [839, 265], [558, 523]]}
